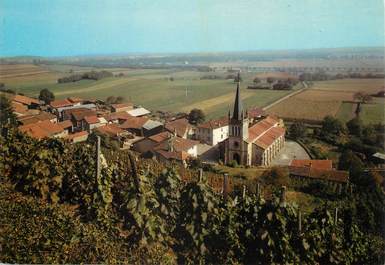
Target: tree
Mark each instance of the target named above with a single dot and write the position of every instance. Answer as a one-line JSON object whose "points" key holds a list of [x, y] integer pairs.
{"points": [[333, 126], [355, 126], [256, 80], [111, 100], [362, 97], [6, 112], [297, 130], [46, 95], [196, 116], [270, 80]]}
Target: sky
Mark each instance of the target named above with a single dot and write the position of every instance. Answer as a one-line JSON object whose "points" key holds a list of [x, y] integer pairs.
{"points": [[91, 27]]}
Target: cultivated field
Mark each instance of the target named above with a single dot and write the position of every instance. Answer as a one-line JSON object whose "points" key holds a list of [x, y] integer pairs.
{"points": [[333, 98], [151, 88]]}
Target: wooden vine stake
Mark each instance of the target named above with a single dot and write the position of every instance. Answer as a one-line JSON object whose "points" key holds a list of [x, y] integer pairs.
{"points": [[224, 185], [282, 201], [335, 216], [200, 175], [98, 165]]}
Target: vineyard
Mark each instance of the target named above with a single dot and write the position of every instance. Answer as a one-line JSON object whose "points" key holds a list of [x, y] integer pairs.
{"points": [[60, 205]]}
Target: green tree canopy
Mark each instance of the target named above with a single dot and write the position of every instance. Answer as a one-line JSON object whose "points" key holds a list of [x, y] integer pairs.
{"points": [[196, 116], [46, 95]]}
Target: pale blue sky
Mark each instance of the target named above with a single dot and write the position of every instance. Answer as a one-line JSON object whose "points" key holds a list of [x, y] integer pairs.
{"points": [[80, 27]]}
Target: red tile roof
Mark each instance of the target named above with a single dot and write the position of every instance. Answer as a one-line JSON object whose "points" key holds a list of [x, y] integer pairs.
{"points": [[80, 114], [317, 164], [214, 124], [25, 100], [75, 100], [121, 115], [42, 116], [175, 155], [65, 124], [73, 136], [265, 131], [41, 129], [111, 130], [19, 108], [255, 112], [91, 119], [178, 144], [321, 174], [160, 137], [134, 122], [59, 103], [181, 126], [268, 138]]}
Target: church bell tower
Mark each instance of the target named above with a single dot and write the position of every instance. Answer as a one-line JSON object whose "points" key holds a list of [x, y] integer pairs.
{"points": [[236, 148]]}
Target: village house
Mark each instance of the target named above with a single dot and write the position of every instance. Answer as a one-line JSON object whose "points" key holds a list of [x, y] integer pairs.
{"points": [[182, 127], [152, 127], [64, 113], [121, 107], [139, 112], [30, 103], [117, 117], [304, 170], [214, 131], [254, 145], [77, 137], [115, 132], [92, 122], [66, 125], [43, 129], [134, 125], [77, 117], [41, 116]]}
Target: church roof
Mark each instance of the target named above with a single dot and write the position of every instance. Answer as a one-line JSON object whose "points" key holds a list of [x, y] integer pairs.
{"points": [[265, 132]]}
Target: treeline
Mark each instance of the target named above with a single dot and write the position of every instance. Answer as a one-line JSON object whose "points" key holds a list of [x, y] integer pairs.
{"points": [[55, 208], [322, 76], [273, 83], [93, 75]]}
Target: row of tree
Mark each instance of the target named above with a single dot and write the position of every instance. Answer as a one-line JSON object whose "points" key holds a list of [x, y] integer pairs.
{"points": [[93, 75]]}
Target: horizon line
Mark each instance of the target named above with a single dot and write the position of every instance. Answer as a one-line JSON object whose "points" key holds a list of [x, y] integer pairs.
{"points": [[187, 53]]}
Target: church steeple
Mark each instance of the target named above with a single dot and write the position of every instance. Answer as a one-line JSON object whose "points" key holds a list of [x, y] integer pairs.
{"points": [[237, 113]]}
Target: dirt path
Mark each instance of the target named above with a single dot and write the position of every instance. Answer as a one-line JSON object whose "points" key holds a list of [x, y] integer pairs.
{"points": [[284, 98]]}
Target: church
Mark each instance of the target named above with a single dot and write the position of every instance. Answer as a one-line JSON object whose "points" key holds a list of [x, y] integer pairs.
{"points": [[251, 142]]}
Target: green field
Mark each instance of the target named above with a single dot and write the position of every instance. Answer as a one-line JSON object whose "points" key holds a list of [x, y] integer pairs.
{"points": [[371, 113], [152, 88]]}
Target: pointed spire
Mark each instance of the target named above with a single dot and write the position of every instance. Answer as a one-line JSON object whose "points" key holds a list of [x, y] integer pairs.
{"points": [[238, 103]]}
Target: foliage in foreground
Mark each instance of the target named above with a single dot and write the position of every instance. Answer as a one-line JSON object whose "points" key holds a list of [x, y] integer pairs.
{"points": [[55, 210]]}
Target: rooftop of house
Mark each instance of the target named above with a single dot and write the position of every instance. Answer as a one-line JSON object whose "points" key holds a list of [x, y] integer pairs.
{"points": [[41, 129], [111, 130], [75, 100], [173, 155], [19, 108], [138, 112], [58, 103], [25, 100], [160, 137], [121, 115], [323, 174], [180, 125], [314, 164], [255, 112], [80, 114], [178, 144], [134, 122], [65, 124], [214, 124], [30, 119], [151, 124], [73, 136], [92, 119], [71, 107]]}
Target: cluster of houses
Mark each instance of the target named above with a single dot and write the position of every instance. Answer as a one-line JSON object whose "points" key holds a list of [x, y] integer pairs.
{"points": [[245, 137]]}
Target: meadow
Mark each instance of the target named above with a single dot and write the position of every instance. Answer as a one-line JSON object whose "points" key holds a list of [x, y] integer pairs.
{"points": [[156, 89], [335, 98]]}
